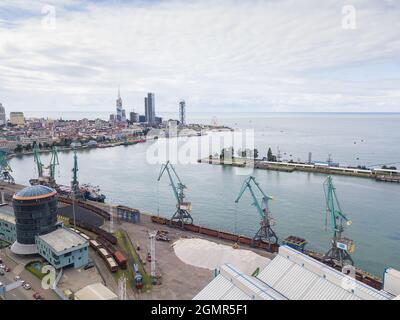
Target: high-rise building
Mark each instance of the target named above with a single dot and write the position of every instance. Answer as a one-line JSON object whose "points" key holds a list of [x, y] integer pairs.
{"points": [[17, 118], [119, 107], [149, 106], [3, 119], [182, 112]]}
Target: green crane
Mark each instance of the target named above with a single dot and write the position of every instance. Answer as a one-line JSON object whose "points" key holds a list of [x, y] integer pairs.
{"points": [[340, 246], [53, 163], [182, 215], [5, 169], [75, 182], [265, 233], [37, 160]]}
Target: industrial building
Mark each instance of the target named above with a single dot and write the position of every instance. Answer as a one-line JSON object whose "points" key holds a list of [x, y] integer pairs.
{"points": [[8, 230], [96, 291], [35, 210], [292, 275], [32, 228], [62, 248]]}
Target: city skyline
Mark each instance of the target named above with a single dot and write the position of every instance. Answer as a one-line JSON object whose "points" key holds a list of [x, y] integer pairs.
{"points": [[208, 53]]}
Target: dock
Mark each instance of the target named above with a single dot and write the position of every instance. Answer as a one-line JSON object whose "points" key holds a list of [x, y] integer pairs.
{"points": [[377, 174]]}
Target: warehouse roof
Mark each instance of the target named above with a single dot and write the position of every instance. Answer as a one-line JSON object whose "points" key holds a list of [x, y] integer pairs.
{"points": [[96, 291], [34, 192], [290, 275], [63, 239], [232, 284]]}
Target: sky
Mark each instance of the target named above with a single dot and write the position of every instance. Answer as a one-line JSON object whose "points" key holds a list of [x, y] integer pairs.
{"points": [[219, 55]]}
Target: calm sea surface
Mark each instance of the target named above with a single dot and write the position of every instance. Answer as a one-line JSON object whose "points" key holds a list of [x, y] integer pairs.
{"points": [[128, 175]]}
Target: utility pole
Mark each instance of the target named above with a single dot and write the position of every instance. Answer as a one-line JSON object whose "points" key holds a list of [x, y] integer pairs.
{"points": [[152, 236]]}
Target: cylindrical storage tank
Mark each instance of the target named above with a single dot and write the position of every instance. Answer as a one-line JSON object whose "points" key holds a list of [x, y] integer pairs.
{"points": [[35, 210]]}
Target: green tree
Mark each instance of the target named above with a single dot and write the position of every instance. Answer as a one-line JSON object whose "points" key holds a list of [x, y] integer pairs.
{"points": [[255, 153], [270, 155]]}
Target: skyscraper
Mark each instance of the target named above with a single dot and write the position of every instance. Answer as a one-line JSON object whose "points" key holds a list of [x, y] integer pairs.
{"points": [[119, 107], [3, 119], [149, 107], [182, 112]]}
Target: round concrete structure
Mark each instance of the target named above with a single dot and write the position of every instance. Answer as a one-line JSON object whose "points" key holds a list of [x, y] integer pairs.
{"points": [[35, 210]]}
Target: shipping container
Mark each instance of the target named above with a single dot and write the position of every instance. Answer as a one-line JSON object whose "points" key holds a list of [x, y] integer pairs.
{"points": [[120, 259]]}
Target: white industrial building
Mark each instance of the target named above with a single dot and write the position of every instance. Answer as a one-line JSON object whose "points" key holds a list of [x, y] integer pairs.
{"points": [[292, 275], [96, 291]]}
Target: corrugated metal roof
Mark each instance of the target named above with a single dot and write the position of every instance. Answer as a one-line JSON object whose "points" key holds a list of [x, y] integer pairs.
{"points": [[235, 294], [275, 270], [325, 290], [215, 290], [290, 275], [295, 282]]}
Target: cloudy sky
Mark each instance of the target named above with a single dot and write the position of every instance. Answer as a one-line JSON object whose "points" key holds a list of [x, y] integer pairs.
{"points": [[219, 55]]}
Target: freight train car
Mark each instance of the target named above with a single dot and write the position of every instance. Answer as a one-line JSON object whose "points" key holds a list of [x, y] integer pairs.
{"points": [[111, 264], [100, 232], [120, 259], [94, 244]]}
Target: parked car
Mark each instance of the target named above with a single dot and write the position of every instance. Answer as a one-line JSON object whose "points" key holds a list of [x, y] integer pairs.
{"points": [[17, 278], [1, 272], [1, 284], [88, 266], [2, 266], [7, 269], [27, 286], [37, 296]]}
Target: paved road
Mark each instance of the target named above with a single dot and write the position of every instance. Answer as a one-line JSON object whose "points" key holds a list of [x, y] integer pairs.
{"points": [[20, 293]]}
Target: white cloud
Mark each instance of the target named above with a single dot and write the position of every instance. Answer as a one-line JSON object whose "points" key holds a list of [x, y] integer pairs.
{"points": [[218, 55]]}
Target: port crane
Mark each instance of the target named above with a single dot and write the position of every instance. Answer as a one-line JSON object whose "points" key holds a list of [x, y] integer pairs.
{"points": [[75, 183], [182, 214], [42, 179], [53, 163], [5, 169], [37, 160], [265, 233], [340, 246]]}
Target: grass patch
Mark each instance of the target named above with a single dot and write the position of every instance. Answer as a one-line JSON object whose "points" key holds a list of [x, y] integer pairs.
{"points": [[4, 244], [125, 242], [32, 268]]}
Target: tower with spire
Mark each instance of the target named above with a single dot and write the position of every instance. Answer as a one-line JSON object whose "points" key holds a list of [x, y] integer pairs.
{"points": [[119, 106]]}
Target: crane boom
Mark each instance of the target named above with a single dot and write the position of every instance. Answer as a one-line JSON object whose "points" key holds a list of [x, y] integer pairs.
{"points": [[37, 160], [182, 215], [53, 162], [256, 203], [166, 167], [265, 233], [340, 246]]}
